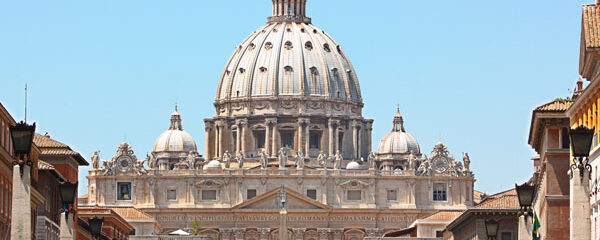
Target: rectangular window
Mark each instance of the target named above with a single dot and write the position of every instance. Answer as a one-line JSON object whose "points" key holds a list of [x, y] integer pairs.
{"points": [[171, 194], [340, 141], [2, 134], [260, 140], [312, 194], [506, 236], [439, 192], [287, 139], [124, 191], [315, 139], [564, 135], [354, 195], [208, 195], [439, 234], [2, 197], [392, 195], [250, 194]]}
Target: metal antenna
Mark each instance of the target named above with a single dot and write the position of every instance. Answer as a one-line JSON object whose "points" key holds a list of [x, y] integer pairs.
{"points": [[25, 102]]}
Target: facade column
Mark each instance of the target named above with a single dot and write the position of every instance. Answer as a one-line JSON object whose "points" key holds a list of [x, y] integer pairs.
{"points": [[274, 140], [359, 142], [336, 139], [217, 129], [238, 136], [244, 125], [300, 133], [207, 133], [580, 224], [355, 140], [331, 131], [268, 138], [369, 137], [20, 227], [307, 140]]}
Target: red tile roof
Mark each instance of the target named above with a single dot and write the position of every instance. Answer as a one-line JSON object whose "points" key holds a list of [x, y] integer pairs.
{"points": [[51, 147], [44, 166], [591, 26], [557, 105], [444, 216]]}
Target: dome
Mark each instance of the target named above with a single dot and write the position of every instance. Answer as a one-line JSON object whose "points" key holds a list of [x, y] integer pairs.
{"points": [[213, 164], [398, 141], [353, 166], [289, 58], [175, 139]]}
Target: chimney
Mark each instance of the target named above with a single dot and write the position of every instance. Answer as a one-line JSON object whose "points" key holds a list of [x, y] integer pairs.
{"points": [[580, 82]]}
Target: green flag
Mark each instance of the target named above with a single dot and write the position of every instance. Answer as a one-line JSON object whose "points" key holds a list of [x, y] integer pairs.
{"points": [[535, 233]]}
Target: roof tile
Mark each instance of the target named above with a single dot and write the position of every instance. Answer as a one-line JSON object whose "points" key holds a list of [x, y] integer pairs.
{"points": [[591, 25]]}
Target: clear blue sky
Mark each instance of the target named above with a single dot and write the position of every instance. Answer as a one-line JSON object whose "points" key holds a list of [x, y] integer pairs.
{"points": [[466, 72]]}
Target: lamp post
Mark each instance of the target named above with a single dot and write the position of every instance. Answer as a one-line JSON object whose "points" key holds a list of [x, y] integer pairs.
{"points": [[581, 142], [67, 194], [22, 138], [525, 194], [491, 228], [95, 226], [579, 202]]}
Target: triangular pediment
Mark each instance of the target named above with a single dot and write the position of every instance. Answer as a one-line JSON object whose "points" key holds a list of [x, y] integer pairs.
{"points": [[271, 200]]}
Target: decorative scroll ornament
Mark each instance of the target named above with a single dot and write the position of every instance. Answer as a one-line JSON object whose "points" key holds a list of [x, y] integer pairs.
{"points": [[288, 105], [124, 161]]}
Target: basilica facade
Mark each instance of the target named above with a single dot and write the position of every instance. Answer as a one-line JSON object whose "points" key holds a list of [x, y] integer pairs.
{"points": [[288, 122]]}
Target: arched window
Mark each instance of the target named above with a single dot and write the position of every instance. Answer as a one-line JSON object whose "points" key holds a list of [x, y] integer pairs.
{"points": [[326, 47], [308, 45], [288, 45], [288, 69]]}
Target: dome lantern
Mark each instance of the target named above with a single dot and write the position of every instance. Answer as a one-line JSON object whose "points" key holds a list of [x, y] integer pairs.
{"points": [[289, 11], [398, 121], [175, 120]]}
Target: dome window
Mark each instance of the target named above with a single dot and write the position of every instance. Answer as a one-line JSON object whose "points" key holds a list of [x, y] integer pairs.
{"points": [[251, 46], [302, 30], [339, 49], [288, 45], [288, 69], [326, 47], [268, 46], [289, 30], [242, 70], [263, 69], [315, 31], [308, 45]]}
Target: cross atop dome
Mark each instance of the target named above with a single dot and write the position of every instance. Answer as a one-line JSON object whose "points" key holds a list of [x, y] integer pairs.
{"points": [[289, 11]]}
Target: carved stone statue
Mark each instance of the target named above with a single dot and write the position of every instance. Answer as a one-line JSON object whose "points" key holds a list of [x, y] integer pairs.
{"points": [[152, 163], [227, 159], [95, 160], [467, 162], [283, 157], [412, 160], [139, 167], [191, 160], [372, 161], [424, 169], [458, 168], [240, 159], [264, 159], [337, 164], [322, 159], [109, 168], [300, 160]]}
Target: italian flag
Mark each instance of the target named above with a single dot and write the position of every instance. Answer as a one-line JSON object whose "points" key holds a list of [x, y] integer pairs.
{"points": [[535, 234]]}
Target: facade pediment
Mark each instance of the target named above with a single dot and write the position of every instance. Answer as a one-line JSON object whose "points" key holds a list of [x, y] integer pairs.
{"points": [[271, 200]]}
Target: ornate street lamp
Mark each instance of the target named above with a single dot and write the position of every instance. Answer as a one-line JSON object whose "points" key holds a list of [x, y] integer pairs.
{"points": [[491, 228], [67, 194], [525, 193], [95, 226], [22, 138], [581, 142]]}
